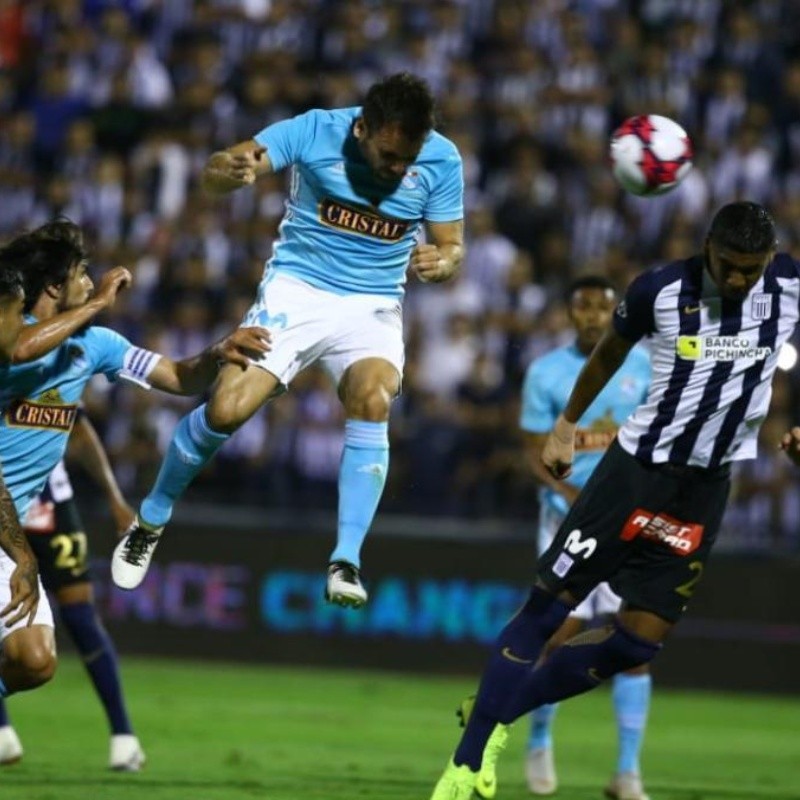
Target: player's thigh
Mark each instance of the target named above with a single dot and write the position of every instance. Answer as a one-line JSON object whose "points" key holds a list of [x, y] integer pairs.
{"points": [[75, 594], [367, 350], [42, 619], [237, 394], [31, 647], [303, 320], [600, 602], [671, 550], [590, 544]]}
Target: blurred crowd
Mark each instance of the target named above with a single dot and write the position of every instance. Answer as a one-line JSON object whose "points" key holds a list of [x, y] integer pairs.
{"points": [[109, 110]]}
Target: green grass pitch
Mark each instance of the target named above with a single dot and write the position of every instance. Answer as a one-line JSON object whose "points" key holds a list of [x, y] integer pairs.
{"points": [[224, 732]]}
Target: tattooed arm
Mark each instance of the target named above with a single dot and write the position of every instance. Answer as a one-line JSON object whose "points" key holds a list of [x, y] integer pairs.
{"points": [[24, 581]]}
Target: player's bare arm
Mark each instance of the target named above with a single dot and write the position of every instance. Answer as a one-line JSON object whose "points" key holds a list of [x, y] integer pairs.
{"points": [[559, 449], [440, 259], [86, 448], [534, 444], [24, 583], [237, 166], [194, 375], [40, 338]]}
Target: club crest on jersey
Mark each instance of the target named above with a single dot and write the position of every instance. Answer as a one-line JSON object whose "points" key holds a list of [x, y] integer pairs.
{"points": [[48, 412], [361, 221], [761, 306], [410, 179]]}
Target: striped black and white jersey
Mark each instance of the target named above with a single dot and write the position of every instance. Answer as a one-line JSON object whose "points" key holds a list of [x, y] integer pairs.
{"points": [[712, 360]]}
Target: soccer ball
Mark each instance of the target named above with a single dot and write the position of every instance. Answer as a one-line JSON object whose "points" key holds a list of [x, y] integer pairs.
{"points": [[650, 154]]}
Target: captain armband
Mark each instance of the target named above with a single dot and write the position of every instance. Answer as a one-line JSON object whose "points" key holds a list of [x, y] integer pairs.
{"points": [[137, 365]]}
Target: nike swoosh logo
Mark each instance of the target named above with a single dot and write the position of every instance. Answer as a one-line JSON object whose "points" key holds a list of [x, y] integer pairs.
{"points": [[484, 787], [691, 309], [593, 675], [506, 653]]}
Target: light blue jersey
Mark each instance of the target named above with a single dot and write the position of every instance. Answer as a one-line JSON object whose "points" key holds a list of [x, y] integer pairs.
{"points": [[40, 402], [345, 229], [547, 387]]}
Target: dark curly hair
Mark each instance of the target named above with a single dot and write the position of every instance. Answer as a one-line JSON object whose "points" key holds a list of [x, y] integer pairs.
{"points": [[11, 285], [403, 100], [44, 256], [744, 227]]}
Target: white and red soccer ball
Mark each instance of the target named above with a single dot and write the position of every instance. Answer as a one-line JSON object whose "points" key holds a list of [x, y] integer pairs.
{"points": [[650, 154]]}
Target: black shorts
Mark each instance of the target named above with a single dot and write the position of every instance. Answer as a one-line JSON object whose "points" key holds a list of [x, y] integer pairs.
{"points": [[60, 545], [646, 529]]}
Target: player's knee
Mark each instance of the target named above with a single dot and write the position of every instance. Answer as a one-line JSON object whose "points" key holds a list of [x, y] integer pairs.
{"points": [[34, 665], [371, 403], [623, 651], [225, 412]]}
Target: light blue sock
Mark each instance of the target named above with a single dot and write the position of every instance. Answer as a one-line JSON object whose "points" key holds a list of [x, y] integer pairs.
{"points": [[541, 725], [192, 446], [362, 475], [3, 690], [631, 696]]}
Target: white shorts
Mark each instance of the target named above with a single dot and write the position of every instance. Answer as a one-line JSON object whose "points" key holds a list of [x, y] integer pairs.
{"points": [[44, 616], [310, 324], [601, 600]]}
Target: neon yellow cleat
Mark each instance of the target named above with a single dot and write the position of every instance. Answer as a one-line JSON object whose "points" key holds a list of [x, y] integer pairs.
{"points": [[486, 782], [456, 783]]}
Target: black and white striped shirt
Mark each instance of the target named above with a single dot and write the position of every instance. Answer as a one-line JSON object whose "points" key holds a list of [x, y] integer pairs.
{"points": [[712, 359]]}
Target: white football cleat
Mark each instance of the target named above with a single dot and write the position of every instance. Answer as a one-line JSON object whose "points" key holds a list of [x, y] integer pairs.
{"points": [[126, 754], [344, 587], [540, 771], [133, 554], [626, 786], [10, 746]]}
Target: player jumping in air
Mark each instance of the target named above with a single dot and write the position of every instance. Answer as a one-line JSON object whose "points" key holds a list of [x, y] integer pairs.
{"points": [[363, 181], [649, 514], [548, 382]]}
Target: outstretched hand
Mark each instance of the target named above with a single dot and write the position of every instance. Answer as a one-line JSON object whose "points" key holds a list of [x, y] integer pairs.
{"points": [[111, 284], [240, 168], [243, 345]]}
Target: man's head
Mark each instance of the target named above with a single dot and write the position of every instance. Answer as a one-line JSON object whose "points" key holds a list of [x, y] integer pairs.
{"points": [[52, 262], [739, 246], [396, 116], [12, 297], [591, 300]]}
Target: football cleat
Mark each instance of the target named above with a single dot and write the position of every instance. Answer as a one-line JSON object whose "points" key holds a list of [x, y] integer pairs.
{"points": [[133, 554], [344, 587], [626, 786], [486, 780], [456, 783], [126, 754], [540, 771], [10, 746]]}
